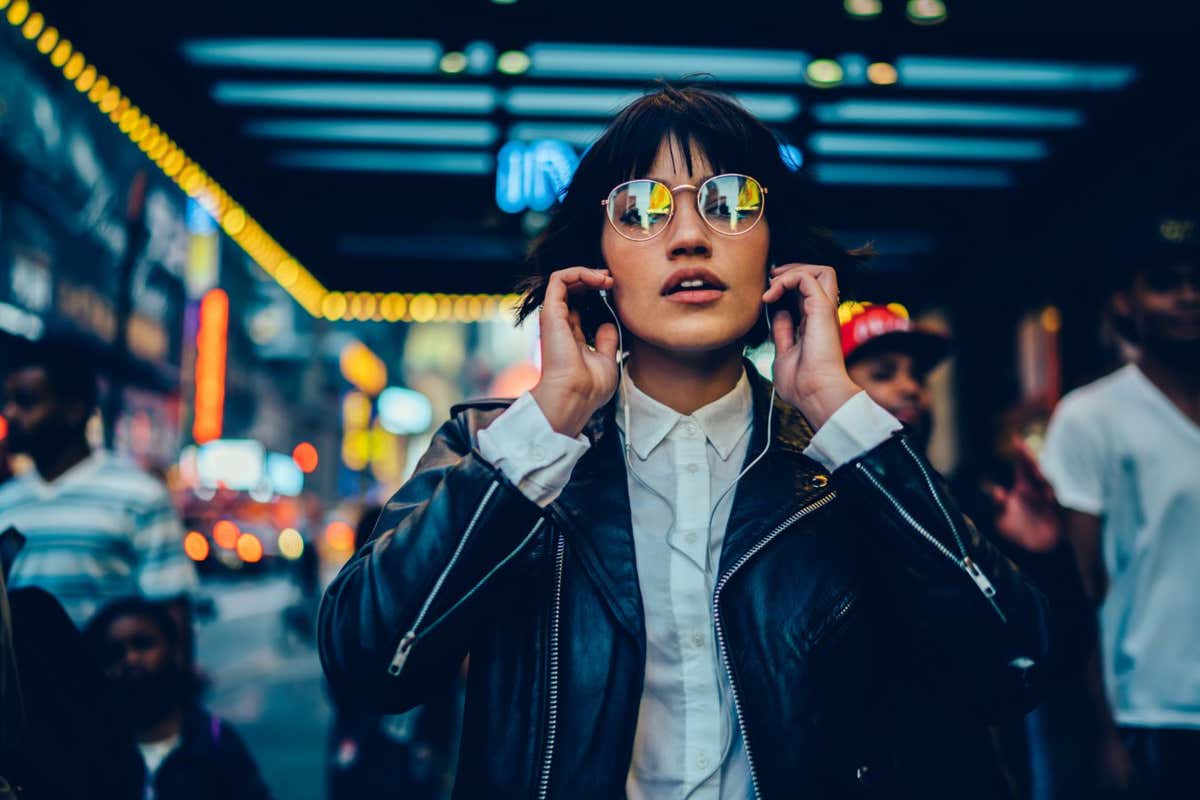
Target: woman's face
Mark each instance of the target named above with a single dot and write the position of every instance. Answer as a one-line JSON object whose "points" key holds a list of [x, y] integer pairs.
{"points": [[646, 275]]}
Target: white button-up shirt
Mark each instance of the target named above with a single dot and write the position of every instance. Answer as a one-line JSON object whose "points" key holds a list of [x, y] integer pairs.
{"points": [[687, 743]]}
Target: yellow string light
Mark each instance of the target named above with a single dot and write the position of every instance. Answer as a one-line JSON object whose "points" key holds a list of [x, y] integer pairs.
{"points": [[160, 149]]}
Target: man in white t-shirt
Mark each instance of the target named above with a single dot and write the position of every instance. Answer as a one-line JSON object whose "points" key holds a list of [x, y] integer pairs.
{"points": [[1123, 455]]}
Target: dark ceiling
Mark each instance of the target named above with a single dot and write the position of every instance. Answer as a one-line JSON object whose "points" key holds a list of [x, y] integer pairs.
{"points": [[356, 231]]}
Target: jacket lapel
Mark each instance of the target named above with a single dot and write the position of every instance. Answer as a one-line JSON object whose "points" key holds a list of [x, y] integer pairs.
{"points": [[594, 511], [777, 485]]}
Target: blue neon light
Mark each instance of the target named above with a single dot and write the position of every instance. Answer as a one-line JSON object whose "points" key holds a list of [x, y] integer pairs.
{"points": [[884, 145], [858, 174], [442, 162], [915, 112], [325, 55], [391, 131], [533, 175], [931, 72], [465, 99], [637, 62]]}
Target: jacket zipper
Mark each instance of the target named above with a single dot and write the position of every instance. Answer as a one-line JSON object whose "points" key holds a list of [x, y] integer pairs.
{"points": [[552, 705], [407, 641], [737, 703], [964, 563]]}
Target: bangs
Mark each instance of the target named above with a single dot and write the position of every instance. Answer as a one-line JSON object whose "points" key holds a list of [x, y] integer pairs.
{"points": [[696, 126]]}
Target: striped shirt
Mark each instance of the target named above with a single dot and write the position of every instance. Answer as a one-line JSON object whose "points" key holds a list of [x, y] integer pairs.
{"points": [[103, 530]]}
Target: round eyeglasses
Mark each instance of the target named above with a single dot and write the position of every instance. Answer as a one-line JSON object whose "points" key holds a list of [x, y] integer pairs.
{"points": [[731, 204]]}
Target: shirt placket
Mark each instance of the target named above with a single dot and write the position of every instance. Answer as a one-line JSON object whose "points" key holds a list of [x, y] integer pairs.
{"points": [[688, 554]]}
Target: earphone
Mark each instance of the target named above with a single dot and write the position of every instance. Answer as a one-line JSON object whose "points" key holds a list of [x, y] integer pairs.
{"points": [[726, 728], [628, 446]]}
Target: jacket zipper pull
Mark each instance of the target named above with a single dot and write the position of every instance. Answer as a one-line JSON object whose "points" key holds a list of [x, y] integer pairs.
{"points": [[980, 579], [402, 653]]}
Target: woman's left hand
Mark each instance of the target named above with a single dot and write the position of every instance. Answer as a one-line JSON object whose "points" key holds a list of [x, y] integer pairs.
{"points": [[809, 370]]}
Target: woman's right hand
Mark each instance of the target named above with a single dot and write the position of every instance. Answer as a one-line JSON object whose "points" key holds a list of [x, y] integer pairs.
{"points": [[576, 379]]}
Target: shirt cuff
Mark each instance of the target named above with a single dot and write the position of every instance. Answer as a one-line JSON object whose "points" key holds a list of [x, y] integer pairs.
{"points": [[859, 425], [536, 458]]}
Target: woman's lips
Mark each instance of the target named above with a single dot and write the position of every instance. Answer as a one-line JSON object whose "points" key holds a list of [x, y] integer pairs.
{"points": [[695, 296]]}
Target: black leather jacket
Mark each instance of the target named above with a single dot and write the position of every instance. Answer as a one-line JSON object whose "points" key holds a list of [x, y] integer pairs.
{"points": [[869, 631]]}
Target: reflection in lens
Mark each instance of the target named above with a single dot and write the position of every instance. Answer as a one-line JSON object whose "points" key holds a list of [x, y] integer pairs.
{"points": [[639, 209], [715, 195]]}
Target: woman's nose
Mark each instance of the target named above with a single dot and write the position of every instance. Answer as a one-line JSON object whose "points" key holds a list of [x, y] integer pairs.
{"points": [[687, 234]]}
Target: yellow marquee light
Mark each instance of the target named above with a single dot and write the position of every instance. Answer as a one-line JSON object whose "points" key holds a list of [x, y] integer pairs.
{"points": [[234, 221], [47, 41], [33, 26], [98, 90], [160, 149], [86, 79], [333, 306], [140, 131], [110, 100], [74, 66], [18, 11], [287, 273], [392, 307], [123, 106], [422, 307], [60, 53]]}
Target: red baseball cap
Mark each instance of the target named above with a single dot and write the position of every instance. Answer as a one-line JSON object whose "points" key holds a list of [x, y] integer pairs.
{"points": [[868, 328]]}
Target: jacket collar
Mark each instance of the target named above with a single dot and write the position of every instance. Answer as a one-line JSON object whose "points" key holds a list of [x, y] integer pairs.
{"points": [[594, 506]]}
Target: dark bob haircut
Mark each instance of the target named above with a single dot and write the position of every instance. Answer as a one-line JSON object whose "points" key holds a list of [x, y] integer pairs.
{"points": [[696, 118]]}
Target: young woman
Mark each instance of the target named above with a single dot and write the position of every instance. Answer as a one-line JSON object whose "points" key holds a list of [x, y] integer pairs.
{"points": [[668, 584]]}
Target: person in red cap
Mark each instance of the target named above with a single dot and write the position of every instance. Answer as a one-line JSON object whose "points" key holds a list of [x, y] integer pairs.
{"points": [[890, 357]]}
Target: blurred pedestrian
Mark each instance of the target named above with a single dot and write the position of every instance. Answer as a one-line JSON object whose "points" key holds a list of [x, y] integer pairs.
{"points": [[98, 527], [1123, 454], [59, 737], [188, 753], [891, 357], [413, 750]]}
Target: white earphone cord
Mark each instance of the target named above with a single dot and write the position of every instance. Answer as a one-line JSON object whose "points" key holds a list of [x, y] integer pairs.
{"points": [[727, 728]]}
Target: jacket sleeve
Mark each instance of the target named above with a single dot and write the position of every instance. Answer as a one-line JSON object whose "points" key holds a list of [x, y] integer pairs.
{"points": [[395, 623], [977, 627]]}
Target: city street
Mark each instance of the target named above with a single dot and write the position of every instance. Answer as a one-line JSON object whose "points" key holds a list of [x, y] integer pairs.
{"points": [[267, 686]]}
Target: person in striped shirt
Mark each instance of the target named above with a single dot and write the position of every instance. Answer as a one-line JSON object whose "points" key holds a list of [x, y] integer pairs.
{"points": [[97, 526]]}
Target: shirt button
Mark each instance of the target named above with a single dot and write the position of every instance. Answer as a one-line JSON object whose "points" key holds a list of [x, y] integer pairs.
{"points": [[692, 468], [690, 429], [702, 761], [689, 537], [697, 639], [536, 451]]}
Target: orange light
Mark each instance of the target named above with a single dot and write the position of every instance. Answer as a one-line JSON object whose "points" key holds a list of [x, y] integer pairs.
{"points": [[210, 366], [249, 548], [225, 534], [363, 368], [3, 429], [340, 536], [305, 456], [196, 546]]}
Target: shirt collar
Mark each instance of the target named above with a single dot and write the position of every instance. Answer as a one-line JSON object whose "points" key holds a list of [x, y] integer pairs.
{"points": [[75, 474], [724, 420]]}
